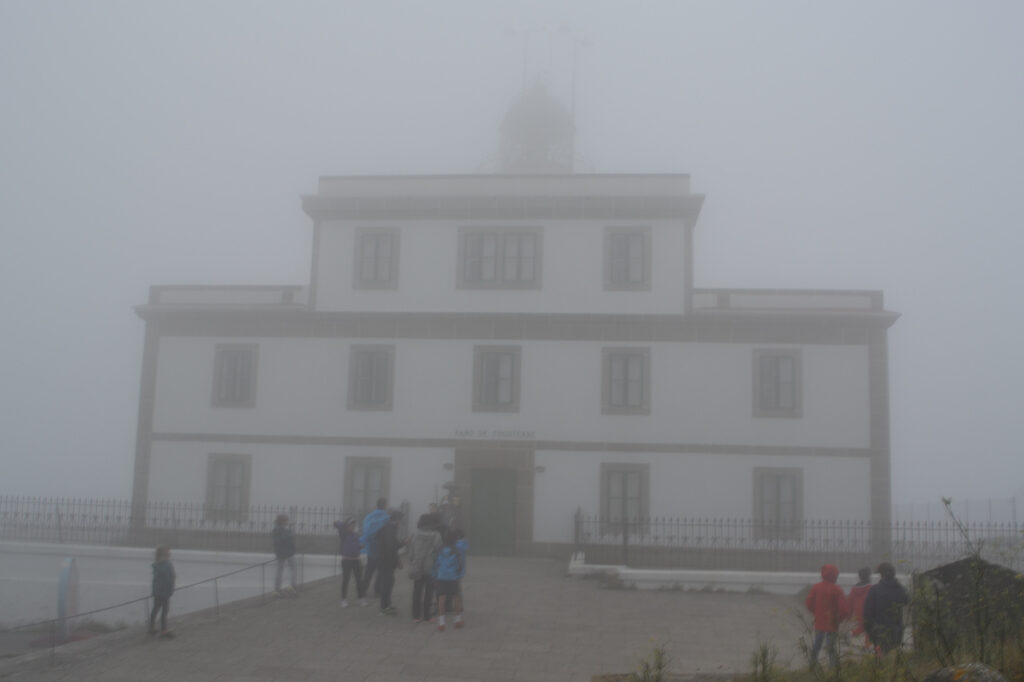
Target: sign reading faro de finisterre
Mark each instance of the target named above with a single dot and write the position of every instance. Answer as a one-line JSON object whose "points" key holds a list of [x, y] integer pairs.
{"points": [[495, 434]]}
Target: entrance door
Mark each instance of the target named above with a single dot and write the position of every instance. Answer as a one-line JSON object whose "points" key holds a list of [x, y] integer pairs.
{"points": [[493, 511]]}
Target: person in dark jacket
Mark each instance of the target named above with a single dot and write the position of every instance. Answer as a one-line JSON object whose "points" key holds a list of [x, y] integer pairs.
{"points": [[828, 604], [284, 550], [351, 565], [387, 546], [163, 588], [883, 610]]}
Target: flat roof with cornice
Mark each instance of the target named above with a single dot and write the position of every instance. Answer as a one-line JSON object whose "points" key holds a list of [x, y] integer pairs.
{"points": [[500, 197]]}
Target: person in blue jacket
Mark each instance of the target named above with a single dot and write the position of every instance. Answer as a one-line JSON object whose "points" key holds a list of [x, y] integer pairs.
{"points": [[372, 524], [447, 569]]}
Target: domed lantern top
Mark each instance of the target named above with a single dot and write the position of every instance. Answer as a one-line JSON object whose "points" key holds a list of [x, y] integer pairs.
{"points": [[537, 134]]}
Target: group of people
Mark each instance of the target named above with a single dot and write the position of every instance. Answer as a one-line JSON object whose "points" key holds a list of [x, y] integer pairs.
{"points": [[436, 555], [877, 610]]}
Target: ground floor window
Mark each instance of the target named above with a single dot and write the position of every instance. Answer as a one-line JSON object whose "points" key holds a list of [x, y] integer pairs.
{"points": [[778, 503], [227, 486], [366, 480], [624, 495]]}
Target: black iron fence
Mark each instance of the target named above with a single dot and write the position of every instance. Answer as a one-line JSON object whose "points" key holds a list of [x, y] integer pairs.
{"points": [[191, 526], [745, 544]]}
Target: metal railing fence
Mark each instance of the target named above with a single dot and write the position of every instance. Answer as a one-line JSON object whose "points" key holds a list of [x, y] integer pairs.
{"points": [[52, 626], [746, 544], [179, 525]]}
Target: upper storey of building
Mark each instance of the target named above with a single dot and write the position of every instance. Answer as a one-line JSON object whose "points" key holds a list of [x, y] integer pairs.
{"points": [[533, 239], [503, 243]]}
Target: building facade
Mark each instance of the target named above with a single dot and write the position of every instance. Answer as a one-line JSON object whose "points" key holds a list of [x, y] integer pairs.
{"points": [[535, 340]]}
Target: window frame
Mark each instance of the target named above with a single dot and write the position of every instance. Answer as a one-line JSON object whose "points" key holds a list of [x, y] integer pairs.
{"points": [[218, 397], [762, 410], [611, 283], [227, 513], [500, 234], [480, 354], [348, 504], [775, 531], [613, 525], [376, 234], [382, 350], [608, 355]]}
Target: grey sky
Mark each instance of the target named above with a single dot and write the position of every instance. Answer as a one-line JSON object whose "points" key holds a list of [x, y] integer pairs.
{"points": [[840, 145]]}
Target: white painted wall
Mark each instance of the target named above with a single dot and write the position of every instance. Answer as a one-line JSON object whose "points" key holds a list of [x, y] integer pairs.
{"points": [[572, 270], [681, 485], [30, 572], [694, 485], [700, 393], [302, 475]]}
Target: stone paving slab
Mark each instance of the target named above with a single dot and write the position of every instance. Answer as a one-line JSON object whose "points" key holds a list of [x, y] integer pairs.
{"points": [[525, 620]]}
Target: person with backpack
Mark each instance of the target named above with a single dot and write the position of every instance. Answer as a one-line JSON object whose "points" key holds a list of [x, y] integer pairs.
{"points": [[351, 565], [423, 548]]}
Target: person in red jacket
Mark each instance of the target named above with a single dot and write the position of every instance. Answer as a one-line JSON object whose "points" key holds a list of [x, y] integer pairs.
{"points": [[858, 593], [829, 606]]}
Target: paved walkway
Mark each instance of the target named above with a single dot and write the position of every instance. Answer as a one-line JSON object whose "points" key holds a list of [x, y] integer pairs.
{"points": [[525, 620]]}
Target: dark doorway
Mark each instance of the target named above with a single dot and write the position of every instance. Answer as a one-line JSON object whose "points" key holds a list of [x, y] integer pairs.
{"points": [[493, 511]]}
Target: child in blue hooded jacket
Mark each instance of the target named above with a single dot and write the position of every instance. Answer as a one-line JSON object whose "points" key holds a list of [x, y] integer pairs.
{"points": [[448, 568]]}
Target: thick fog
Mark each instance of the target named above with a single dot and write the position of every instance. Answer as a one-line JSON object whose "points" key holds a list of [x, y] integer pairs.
{"points": [[840, 145]]}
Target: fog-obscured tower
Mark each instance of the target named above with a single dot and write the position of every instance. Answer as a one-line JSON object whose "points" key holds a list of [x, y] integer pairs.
{"points": [[537, 135]]}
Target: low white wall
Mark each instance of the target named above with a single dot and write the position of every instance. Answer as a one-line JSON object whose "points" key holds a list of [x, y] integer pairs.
{"points": [[29, 573], [775, 582]]}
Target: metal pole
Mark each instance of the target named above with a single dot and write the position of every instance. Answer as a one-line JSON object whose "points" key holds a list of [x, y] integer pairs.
{"points": [[576, 529], [216, 598], [263, 582]]}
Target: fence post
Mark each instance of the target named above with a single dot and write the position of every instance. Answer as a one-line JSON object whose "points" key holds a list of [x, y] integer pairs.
{"points": [[263, 582], [625, 541], [60, 532]]}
